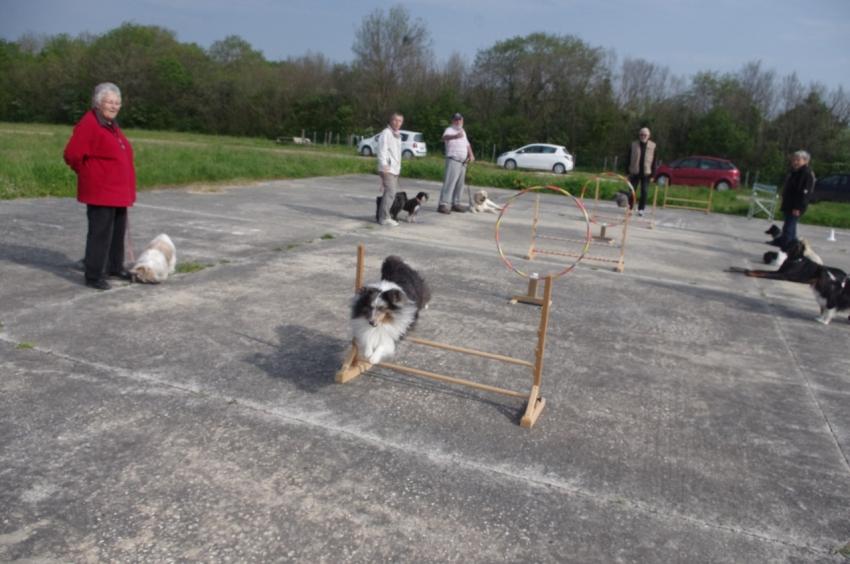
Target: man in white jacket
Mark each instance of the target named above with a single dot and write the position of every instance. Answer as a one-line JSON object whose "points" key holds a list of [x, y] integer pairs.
{"points": [[389, 166]]}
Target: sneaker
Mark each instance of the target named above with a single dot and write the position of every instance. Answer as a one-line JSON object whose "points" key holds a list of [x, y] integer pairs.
{"points": [[444, 208], [459, 208], [389, 221]]}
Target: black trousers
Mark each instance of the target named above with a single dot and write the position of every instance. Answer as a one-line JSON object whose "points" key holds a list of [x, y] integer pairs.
{"points": [[644, 187], [105, 241]]}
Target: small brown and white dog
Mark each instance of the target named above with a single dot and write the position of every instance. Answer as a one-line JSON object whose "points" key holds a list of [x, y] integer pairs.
{"points": [[156, 262], [482, 203]]}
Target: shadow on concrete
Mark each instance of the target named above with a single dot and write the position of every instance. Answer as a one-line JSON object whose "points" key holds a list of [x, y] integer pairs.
{"points": [[48, 260], [307, 358], [755, 304]]}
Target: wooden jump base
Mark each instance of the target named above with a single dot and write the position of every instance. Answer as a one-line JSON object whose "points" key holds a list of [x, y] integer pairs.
{"points": [[688, 203], [353, 366]]}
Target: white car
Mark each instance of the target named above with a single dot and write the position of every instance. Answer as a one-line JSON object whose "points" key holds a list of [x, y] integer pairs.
{"points": [[412, 145], [538, 156]]}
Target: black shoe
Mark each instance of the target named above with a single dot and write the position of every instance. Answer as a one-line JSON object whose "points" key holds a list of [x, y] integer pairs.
{"points": [[98, 284], [775, 243], [459, 208], [121, 274], [443, 208]]}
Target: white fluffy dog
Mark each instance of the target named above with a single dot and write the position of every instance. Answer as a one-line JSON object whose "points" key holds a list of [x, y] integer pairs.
{"points": [[482, 203], [156, 262]]}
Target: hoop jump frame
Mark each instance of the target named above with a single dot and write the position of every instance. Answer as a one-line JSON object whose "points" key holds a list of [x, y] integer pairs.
{"points": [[619, 262], [353, 365]]}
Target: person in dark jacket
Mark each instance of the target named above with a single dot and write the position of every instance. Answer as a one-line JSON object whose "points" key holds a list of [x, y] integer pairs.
{"points": [[102, 158], [799, 185], [641, 163]]}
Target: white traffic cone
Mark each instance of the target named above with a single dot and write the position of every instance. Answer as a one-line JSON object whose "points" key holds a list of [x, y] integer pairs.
{"points": [[831, 235]]}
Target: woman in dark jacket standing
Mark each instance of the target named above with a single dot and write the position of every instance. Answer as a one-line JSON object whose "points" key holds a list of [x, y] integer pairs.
{"points": [[106, 182], [795, 196]]}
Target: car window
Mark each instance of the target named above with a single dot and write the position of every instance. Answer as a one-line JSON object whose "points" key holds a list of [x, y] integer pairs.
{"points": [[688, 163], [534, 149], [829, 181], [404, 136], [548, 150], [419, 137], [726, 165], [708, 164]]}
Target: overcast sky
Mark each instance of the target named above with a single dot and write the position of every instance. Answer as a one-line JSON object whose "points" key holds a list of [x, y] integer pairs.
{"points": [[810, 37]]}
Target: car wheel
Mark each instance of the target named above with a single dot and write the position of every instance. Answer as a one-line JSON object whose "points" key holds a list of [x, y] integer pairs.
{"points": [[722, 186], [663, 180], [559, 168], [366, 151], [510, 164], [408, 154]]}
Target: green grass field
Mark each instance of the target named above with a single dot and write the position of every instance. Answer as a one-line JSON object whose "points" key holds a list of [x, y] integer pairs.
{"points": [[31, 166]]}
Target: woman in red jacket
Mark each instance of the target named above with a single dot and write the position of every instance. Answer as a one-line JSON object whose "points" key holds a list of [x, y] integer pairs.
{"points": [[106, 182]]}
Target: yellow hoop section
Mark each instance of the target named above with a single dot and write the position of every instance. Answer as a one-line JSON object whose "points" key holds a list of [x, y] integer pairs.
{"points": [[587, 238]]}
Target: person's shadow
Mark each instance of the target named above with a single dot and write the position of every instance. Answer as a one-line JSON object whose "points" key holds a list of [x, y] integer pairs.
{"points": [[47, 260]]}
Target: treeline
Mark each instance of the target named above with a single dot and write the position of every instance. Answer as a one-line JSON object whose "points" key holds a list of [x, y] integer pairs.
{"points": [[541, 87]]}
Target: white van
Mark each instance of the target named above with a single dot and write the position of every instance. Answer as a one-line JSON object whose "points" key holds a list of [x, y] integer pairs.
{"points": [[412, 145]]}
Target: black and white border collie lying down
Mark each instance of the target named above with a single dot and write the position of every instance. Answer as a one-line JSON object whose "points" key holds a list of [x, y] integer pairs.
{"points": [[830, 285], [383, 312], [800, 265]]}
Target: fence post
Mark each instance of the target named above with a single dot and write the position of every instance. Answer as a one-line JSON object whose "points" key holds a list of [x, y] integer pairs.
{"points": [[616, 157], [494, 152]]}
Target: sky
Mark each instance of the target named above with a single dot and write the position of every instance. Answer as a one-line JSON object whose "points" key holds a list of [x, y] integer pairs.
{"points": [[811, 38]]}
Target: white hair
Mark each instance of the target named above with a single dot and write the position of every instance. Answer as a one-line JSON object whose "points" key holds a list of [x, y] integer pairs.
{"points": [[102, 90], [803, 155]]}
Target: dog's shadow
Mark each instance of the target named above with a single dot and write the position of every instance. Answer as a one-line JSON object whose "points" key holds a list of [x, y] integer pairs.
{"points": [[310, 359], [47, 260], [307, 358]]}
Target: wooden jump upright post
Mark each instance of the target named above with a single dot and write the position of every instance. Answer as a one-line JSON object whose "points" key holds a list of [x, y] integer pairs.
{"points": [[353, 365]]}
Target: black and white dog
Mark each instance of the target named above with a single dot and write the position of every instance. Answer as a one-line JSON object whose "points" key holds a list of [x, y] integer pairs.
{"points": [[402, 203], [383, 312], [800, 265], [830, 285], [832, 292]]}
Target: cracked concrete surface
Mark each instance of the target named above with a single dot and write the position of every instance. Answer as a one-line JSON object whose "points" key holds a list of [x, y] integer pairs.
{"points": [[692, 415]]}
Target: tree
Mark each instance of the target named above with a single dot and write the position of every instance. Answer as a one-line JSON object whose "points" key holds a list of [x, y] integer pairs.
{"points": [[392, 52]]}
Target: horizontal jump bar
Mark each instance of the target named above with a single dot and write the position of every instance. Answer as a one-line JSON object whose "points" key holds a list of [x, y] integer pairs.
{"points": [[687, 200], [452, 380], [499, 357]]}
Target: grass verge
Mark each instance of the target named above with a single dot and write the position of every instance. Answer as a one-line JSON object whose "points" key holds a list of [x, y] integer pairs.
{"points": [[31, 166]]}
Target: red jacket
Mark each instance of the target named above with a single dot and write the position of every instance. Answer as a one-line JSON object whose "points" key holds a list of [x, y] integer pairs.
{"points": [[103, 160]]}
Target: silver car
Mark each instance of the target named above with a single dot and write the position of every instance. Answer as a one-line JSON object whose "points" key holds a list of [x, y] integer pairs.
{"points": [[412, 145]]}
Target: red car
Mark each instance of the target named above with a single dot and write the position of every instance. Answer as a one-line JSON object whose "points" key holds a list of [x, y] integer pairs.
{"points": [[700, 171]]}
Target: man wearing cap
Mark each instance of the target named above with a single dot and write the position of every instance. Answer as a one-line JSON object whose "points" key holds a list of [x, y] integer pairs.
{"points": [[641, 165], [458, 155]]}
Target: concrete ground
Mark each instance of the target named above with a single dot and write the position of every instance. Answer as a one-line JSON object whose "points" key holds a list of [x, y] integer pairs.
{"points": [[692, 415]]}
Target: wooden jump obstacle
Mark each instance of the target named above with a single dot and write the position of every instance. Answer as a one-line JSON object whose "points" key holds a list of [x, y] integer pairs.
{"points": [[688, 203], [604, 220], [353, 365]]}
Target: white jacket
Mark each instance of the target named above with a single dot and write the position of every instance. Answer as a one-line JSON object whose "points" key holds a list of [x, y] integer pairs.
{"points": [[389, 152]]}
